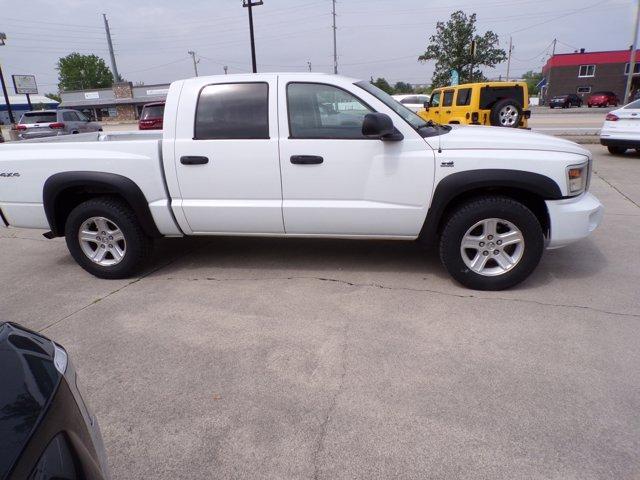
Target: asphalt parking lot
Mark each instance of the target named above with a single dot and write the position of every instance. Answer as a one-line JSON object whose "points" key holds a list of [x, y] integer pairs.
{"points": [[299, 359]]}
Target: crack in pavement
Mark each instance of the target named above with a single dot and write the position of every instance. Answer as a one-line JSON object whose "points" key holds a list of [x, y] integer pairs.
{"points": [[117, 290], [332, 405], [615, 188], [408, 289]]}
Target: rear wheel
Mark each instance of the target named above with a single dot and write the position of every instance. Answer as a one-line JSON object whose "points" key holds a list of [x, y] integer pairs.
{"points": [[491, 243], [105, 238], [616, 150]]}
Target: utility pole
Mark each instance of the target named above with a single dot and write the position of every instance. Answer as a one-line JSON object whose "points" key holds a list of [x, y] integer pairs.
{"points": [[249, 4], [3, 37], [195, 62], [473, 58], [632, 60], [309, 65], [335, 46], [509, 57], [114, 68]]}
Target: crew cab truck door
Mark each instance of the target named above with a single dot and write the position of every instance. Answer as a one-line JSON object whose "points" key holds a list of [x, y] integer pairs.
{"points": [[337, 182], [226, 157]]}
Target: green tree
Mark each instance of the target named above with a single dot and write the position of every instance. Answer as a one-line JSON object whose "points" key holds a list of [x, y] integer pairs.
{"points": [[382, 84], [402, 87], [79, 72], [450, 47], [53, 96], [533, 79]]}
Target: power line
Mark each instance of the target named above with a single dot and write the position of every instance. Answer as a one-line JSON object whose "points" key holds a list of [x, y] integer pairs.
{"points": [[577, 10]]}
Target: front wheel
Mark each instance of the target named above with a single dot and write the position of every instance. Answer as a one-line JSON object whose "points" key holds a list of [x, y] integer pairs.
{"points": [[491, 243], [105, 238]]}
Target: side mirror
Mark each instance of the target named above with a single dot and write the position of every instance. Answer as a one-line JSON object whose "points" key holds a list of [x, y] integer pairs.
{"points": [[426, 106], [380, 125]]}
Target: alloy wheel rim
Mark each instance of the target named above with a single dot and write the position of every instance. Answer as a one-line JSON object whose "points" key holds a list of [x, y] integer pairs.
{"points": [[102, 241], [508, 115], [492, 247]]}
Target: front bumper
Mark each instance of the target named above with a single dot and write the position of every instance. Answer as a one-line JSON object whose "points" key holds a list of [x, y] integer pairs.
{"points": [[573, 219]]}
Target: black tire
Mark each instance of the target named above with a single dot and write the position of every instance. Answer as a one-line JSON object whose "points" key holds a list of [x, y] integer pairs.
{"points": [[551, 107], [589, 105], [616, 150], [467, 215], [138, 245], [494, 116]]}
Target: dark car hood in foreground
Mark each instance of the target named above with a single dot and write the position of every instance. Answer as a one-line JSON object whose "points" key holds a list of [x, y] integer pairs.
{"points": [[28, 381]]}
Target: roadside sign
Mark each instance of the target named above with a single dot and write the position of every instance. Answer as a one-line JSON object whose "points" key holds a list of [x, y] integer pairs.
{"points": [[25, 84]]}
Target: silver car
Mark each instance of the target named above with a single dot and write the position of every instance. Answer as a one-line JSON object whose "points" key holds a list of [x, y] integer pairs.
{"points": [[51, 123]]}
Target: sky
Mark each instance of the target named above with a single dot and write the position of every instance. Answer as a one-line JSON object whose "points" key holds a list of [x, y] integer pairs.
{"points": [[379, 38]]}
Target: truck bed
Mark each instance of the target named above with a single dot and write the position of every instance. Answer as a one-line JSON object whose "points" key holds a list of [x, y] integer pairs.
{"points": [[134, 155]]}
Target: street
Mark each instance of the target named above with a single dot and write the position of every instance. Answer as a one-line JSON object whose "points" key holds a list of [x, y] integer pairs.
{"points": [[576, 122], [276, 358]]}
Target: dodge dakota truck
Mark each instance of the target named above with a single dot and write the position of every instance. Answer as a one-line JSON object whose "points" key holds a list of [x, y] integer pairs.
{"points": [[303, 155]]}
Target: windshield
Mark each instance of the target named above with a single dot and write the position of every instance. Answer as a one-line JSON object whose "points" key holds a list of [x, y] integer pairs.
{"points": [[38, 117], [407, 115]]}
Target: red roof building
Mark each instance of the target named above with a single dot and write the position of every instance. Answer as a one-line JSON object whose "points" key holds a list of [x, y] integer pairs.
{"points": [[584, 73]]}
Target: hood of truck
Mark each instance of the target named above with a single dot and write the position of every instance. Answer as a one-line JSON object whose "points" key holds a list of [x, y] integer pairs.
{"points": [[465, 137]]}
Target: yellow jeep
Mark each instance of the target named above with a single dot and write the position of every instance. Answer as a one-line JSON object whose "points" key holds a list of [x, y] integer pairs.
{"points": [[501, 104]]}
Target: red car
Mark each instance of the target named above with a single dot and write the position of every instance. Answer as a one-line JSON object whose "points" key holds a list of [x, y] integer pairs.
{"points": [[603, 99], [151, 116]]}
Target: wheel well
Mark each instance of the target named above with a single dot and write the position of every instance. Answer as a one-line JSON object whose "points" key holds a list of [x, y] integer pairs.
{"points": [[64, 191], [533, 202], [71, 197]]}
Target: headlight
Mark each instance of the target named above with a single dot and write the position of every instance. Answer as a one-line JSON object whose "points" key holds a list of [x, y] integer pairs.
{"points": [[577, 178]]}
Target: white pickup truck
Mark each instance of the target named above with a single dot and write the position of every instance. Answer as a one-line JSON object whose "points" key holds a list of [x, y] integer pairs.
{"points": [[303, 155]]}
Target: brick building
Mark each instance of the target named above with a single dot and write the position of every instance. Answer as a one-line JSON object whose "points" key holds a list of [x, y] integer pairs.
{"points": [[584, 73], [121, 103]]}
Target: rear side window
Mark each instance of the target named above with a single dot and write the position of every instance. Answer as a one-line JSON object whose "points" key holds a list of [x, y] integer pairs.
{"points": [[447, 98], [233, 111], [69, 117], [464, 97], [38, 117], [490, 95]]}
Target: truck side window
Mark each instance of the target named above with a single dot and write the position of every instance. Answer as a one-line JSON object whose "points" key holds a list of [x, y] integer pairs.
{"points": [[323, 111], [447, 98], [435, 100], [464, 97], [233, 111]]}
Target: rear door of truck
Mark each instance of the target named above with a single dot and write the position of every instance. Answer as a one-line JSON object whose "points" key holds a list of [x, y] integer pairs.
{"points": [[226, 156]]}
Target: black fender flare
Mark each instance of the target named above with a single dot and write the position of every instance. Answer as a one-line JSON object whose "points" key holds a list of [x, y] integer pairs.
{"points": [[100, 183], [461, 183]]}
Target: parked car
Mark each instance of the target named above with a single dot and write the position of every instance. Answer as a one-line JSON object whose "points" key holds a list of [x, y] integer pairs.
{"points": [[621, 129], [501, 104], [565, 101], [413, 102], [235, 158], [151, 116], [603, 99], [51, 123], [46, 429]]}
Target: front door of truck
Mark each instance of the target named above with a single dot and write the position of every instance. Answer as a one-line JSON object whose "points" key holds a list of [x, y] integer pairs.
{"points": [[226, 159], [336, 181]]}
